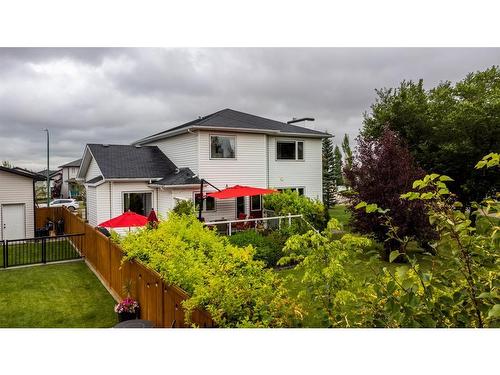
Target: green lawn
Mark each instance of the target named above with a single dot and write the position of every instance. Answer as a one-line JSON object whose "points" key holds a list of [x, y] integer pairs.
{"points": [[65, 295], [340, 213], [31, 252]]}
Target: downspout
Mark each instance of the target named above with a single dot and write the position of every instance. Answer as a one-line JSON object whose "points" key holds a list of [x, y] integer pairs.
{"points": [[34, 209], [110, 199], [267, 161]]}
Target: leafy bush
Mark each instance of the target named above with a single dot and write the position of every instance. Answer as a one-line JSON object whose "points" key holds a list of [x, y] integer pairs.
{"points": [[383, 169], [290, 202], [466, 290], [184, 207], [268, 248], [221, 278], [324, 278]]}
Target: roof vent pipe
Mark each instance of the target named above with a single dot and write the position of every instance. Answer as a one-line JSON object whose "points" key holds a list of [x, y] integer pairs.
{"points": [[294, 120]]}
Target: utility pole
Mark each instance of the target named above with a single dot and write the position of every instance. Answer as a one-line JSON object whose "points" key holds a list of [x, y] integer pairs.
{"points": [[48, 169]]}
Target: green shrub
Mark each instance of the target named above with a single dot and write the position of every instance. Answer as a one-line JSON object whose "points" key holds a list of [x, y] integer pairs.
{"points": [[268, 248], [184, 207], [290, 202], [221, 278]]}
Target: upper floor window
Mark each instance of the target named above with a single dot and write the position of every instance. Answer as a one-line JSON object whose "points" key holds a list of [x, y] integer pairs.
{"points": [[290, 150], [222, 147]]}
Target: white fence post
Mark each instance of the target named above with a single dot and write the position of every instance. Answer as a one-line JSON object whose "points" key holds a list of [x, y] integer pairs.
{"points": [[229, 228], [289, 219]]}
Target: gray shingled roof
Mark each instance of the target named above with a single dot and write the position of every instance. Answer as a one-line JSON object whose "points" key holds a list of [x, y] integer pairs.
{"points": [[51, 172], [125, 161], [184, 176], [23, 172], [229, 118], [94, 180], [74, 163]]}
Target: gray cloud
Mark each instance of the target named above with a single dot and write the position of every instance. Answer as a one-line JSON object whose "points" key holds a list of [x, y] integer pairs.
{"points": [[119, 95]]}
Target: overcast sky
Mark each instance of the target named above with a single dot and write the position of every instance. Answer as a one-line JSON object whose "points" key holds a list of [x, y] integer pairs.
{"points": [[121, 95]]}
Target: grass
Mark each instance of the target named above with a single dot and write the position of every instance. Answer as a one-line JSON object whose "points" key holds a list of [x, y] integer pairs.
{"points": [[31, 252], [341, 213], [65, 295]]}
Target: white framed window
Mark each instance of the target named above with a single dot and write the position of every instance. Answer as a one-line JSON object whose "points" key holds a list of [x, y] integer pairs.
{"points": [[289, 150], [255, 203], [298, 190], [208, 203], [138, 202], [222, 147]]}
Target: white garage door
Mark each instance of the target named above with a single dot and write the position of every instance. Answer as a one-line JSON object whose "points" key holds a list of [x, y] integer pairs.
{"points": [[13, 221]]}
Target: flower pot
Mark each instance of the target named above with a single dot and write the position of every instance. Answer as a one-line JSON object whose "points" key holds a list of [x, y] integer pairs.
{"points": [[127, 316]]}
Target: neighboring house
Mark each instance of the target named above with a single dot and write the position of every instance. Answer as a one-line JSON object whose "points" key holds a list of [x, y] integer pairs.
{"points": [[70, 187], [17, 203], [55, 182], [225, 148]]}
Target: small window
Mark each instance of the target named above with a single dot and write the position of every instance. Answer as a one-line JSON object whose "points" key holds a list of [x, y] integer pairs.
{"points": [[300, 150], [208, 203], [290, 150], [255, 203], [222, 147]]}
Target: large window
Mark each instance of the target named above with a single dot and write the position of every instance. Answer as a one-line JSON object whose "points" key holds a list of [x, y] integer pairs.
{"points": [[222, 147], [140, 203], [290, 150], [208, 203]]}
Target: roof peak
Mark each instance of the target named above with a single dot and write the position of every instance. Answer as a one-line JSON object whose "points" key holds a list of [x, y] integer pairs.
{"points": [[234, 119]]}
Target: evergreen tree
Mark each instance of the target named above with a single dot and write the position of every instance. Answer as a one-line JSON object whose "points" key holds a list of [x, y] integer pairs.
{"points": [[346, 148], [328, 173], [337, 167]]}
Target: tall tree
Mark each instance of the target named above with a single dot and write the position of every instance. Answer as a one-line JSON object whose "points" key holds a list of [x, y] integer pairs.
{"points": [[384, 169], [337, 167], [447, 128], [328, 173], [346, 148]]}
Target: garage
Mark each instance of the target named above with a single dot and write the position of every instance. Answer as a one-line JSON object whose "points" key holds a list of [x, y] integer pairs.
{"points": [[17, 203]]}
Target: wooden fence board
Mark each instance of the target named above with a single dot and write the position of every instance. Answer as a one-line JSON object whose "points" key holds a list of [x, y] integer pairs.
{"points": [[159, 302]]}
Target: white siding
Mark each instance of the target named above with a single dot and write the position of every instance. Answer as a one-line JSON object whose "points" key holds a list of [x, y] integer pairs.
{"points": [[18, 189], [291, 173], [92, 205], [248, 168], [181, 149], [92, 171]]}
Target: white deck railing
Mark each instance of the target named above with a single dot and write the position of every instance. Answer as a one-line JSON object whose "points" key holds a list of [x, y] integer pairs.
{"points": [[230, 223]]}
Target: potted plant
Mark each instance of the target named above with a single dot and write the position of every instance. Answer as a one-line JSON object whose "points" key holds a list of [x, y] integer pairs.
{"points": [[127, 309]]}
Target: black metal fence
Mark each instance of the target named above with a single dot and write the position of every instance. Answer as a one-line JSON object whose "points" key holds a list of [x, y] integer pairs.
{"points": [[40, 250]]}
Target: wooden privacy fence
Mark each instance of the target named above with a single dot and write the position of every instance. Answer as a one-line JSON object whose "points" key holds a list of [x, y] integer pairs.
{"points": [[159, 302]]}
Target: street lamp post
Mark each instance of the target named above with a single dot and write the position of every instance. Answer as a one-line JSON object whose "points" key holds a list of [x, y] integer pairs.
{"points": [[48, 170]]}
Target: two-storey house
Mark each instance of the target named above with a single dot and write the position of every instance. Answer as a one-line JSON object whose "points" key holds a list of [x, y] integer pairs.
{"points": [[225, 148], [70, 186]]}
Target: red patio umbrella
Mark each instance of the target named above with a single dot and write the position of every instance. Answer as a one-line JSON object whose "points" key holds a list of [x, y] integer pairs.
{"points": [[240, 191], [153, 219], [127, 219]]}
